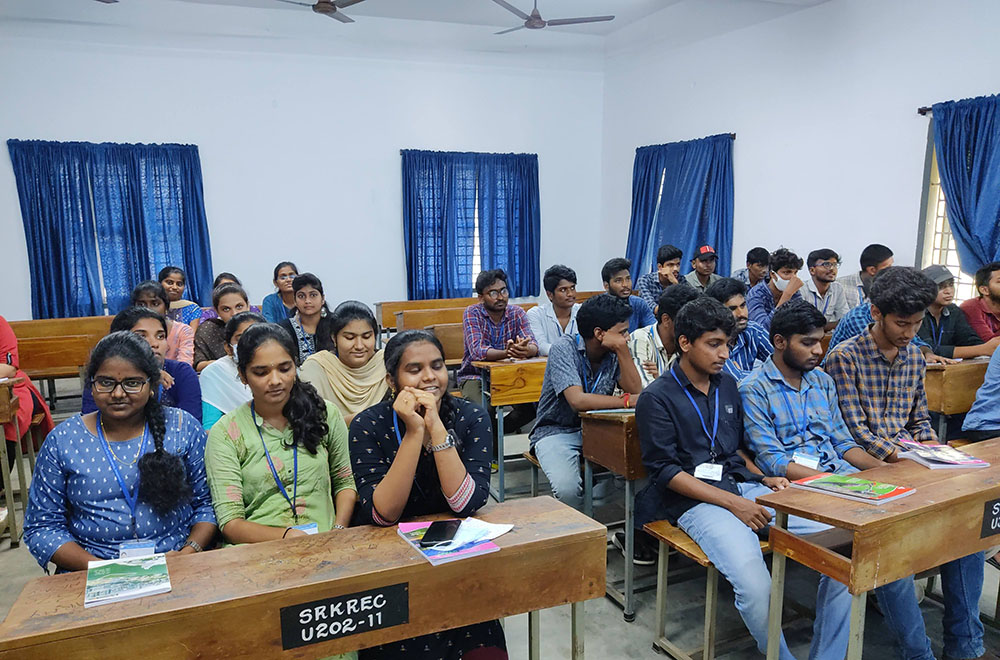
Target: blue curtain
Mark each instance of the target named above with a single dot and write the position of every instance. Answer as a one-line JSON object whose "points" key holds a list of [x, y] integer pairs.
{"points": [[696, 204], [53, 187], [510, 220], [144, 204], [967, 141], [439, 205]]}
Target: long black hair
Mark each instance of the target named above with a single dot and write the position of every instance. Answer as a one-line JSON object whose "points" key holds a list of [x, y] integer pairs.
{"points": [[305, 409], [282, 265], [163, 483], [128, 317], [151, 287], [347, 311], [169, 270], [238, 320], [393, 355]]}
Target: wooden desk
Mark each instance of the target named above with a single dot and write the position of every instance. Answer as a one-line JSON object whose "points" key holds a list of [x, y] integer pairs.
{"points": [[9, 406], [508, 383], [554, 556], [612, 441], [385, 312], [940, 522], [951, 389]]}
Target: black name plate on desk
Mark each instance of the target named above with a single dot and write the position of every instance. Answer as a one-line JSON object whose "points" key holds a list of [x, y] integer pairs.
{"points": [[331, 618], [991, 519]]}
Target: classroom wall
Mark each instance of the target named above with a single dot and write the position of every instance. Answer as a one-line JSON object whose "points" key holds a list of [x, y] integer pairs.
{"points": [[300, 151], [829, 150]]}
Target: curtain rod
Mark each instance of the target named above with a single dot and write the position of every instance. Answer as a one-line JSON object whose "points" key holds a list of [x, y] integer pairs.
{"points": [[924, 110]]}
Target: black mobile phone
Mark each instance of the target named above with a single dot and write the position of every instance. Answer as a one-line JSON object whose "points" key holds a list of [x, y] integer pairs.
{"points": [[439, 532]]}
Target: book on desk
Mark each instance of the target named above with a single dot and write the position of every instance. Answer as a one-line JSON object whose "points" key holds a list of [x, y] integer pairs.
{"points": [[114, 580], [939, 457], [853, 488]]}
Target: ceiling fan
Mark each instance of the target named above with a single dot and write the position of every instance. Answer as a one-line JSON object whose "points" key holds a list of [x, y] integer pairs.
{"points": [[535, 22], [330, 8]]}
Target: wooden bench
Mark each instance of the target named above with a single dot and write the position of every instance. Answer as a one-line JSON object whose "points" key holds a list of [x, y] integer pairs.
{"points": [[452, 338], [386, 311], [583, 295], [673, 538], [83, 325], [421, 318]]}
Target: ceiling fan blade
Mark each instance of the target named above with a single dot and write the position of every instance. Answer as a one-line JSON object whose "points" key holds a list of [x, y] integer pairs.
{"points": [[292, 2], [344, 4], [519, 27], [511, 8], [340, 16], [574, 21]]}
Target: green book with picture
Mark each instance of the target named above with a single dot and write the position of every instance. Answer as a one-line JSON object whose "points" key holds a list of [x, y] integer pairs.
{"points": [[853, 488], [113, 580]]}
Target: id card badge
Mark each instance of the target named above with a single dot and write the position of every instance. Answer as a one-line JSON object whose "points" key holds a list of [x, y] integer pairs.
{"points": [[811, 462], [709, 471], [308, 528], [136, 549]]}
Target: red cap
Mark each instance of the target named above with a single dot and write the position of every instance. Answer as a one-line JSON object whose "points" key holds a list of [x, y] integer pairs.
{"points": [[704, 252]]}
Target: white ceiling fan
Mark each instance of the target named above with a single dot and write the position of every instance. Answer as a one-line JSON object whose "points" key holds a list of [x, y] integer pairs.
{"points": [[534, 21], [330, 8]]}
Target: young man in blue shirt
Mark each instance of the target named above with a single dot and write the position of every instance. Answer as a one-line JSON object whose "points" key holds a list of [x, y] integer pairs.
{"points": [[618, 282], [690, 423], [751, 343], [668, 268]]}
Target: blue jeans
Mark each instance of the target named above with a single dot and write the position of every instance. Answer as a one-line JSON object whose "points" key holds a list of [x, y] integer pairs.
{"points": [[559, 455], [734, 549], [962, 584]]}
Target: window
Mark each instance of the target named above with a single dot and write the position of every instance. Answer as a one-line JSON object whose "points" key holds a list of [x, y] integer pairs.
{"points": [[937, 244]]}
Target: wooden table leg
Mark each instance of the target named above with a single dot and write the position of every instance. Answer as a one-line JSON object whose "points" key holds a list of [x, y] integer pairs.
{"points": [[578, 615], [711, 607], [8, 486], [534, 640], [942, 429], [662, 573], [856, 642], [588, 489], [629, 595], [777, 594]]}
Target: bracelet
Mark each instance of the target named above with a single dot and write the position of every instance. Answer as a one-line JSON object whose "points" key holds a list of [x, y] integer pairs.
{"points": [[287, 529], [626, 399], [339, 527], [194, 544]]}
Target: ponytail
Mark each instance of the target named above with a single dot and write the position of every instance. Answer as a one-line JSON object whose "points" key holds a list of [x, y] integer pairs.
{"points": [[163, 481], [306, 414]]}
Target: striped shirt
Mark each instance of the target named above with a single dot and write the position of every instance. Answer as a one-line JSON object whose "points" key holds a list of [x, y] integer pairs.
{"points": [[761, 305], [855, 322], [882, 402], [645, 345], [482, 334], [751, 345]]}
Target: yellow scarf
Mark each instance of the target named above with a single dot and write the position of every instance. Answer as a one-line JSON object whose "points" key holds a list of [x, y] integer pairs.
{"points": [[354, 389]]}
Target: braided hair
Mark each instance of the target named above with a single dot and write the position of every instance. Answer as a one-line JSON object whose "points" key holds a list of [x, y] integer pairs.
{"points": [[305, 409], [163, 483]]}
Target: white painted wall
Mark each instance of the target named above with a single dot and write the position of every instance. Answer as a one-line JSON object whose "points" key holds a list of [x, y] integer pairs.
{"points": [[300, 151], [830, 150]]}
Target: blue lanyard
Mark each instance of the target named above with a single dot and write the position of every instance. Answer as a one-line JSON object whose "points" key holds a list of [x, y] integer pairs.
{"points": [[701, 418], [801, 423], [395, 427], [274, 473], [826, 303], [586, 385], [131, 499], [940, 334], [656, 353]]}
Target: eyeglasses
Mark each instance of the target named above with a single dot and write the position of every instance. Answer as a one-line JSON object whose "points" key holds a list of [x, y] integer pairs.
{"points": [[287, 277], [497, 293], [828, 264], [129, 385]]}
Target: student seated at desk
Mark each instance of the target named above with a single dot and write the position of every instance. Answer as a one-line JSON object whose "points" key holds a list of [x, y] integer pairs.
{"points": [[758, 268], [424, 452], [618, 282], [495, 330], [690, 425], [982, 422], [782, 286], [309, 326], [133, 470], [581, 374], [278, 466], [822, 290], [703, 268], [654, 348], [668, 272], [173, 280], [750, 342], [945, 327], [552, 320], [880, 384], [983, 312], [228, 299], [351, 377], [30, 399], [874, 259], [179, 386], [280, 305], [220, 279], [180, 336], [222, 390]]}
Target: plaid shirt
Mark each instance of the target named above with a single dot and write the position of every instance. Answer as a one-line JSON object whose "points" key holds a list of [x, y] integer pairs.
{"points": [[482, 334], [751, 345], [761, 305], [882, 403], [780, 420], [649, 289], [855, 322]]}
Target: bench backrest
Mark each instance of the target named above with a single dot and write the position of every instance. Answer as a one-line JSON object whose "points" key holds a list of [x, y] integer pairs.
{"points": [[83, 325], [416, 319], [386, 311], [452, 339], [52, 356]]}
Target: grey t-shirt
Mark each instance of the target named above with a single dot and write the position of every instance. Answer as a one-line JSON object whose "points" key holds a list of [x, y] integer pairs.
{"points": [[567, 366]]}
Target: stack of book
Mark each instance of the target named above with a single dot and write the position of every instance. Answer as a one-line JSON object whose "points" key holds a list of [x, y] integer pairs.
{"points": [[939, 457], [853, 488]]}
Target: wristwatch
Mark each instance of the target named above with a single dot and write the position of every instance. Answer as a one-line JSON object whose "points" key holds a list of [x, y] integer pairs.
{"points": [[448, 443], [194, 544]]}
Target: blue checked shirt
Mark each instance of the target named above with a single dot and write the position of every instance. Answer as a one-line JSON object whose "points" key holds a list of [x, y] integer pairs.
{"points": [[761, 305], [856, 321], [649, 289], [882, 403], [751, 345], [780, 420]]}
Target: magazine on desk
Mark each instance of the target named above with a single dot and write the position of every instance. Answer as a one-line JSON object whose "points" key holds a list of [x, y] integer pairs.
{"points": [[474, 538], [853, 488], [939, 457], [114, 580]]}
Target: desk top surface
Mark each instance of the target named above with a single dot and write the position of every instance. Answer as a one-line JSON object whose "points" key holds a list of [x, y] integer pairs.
{"points": [[508, 363], [608, 414], [981, 363], [935, 490], [11, 382], [53, 606]]}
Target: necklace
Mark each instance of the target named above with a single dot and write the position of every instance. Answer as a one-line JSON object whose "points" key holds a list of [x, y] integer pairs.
{"points": [[130, 463]]}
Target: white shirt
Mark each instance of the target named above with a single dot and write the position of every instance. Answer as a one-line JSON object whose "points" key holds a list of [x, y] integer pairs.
{"points": [[853, 289], [546, 328], [645, 346], [834, 304]]}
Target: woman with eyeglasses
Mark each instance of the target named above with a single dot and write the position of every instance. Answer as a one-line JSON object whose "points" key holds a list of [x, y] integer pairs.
{"points": [[126, 479], [280, 305]]}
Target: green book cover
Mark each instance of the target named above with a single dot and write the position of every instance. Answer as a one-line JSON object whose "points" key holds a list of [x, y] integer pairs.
{"points": [[853, 487], [113, 580]]}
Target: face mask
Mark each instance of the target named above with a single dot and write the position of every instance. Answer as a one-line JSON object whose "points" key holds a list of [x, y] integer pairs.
{"points": [[780, 284], [235, 356]]}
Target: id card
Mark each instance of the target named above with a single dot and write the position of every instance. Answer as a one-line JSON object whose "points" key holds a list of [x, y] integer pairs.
{"points": [[308, 528], [811, 462], [136, 549], [709, 471]]}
